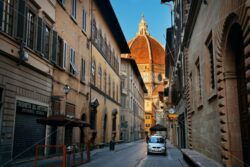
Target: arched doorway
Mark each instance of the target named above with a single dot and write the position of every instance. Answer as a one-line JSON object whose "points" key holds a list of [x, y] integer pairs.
{"points": [[236, 99]]}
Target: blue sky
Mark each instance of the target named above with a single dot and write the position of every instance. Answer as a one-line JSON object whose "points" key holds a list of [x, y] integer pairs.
{"points": [[129, 14]]}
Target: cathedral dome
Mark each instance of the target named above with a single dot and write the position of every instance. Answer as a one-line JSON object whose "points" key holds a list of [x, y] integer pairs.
{"points": [[144, 48]]}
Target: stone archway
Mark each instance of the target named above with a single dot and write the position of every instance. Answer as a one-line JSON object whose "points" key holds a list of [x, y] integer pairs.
{"points": [[232, 92]]}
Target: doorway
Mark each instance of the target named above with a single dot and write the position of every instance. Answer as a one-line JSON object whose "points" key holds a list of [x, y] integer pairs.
{"points": [[238, 117]]}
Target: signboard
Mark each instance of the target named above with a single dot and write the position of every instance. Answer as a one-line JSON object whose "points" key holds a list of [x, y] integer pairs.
{"points": [[172, 116], [30, 108]]}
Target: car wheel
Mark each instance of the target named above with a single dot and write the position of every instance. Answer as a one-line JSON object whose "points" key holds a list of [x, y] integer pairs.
{"points": [[165, 153]]}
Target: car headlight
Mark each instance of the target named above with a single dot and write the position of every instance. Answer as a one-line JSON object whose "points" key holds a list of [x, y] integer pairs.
{"points": [[163, 148]]}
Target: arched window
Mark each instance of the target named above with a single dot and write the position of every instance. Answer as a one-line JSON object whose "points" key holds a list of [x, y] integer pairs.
{"points": [[93, 71], [99, 82]]}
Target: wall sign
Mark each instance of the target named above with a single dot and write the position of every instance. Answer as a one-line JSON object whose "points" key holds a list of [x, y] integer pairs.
{"points": [[30, 108]]}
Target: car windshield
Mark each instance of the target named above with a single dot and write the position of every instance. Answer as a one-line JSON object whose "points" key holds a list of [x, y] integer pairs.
{"points": [[156, 140]]}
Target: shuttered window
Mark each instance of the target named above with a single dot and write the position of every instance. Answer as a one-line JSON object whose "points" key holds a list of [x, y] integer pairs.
{"points": [[39, 46], [46, 45], [6, 16], [30, 28], [54, 57], [73, 68], [64, 54], [83, 70], [21, 33], [84, 26], [73, 10]]}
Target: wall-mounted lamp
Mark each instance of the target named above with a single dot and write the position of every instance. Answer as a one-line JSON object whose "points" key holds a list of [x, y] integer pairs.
{"points": [[24, 56], [66, 89]]}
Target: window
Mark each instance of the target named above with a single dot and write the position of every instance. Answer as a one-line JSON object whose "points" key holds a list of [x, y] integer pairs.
{"points": [[117, 91], [84, 26], [93, 71], [30, 29], [105, 81], [109, 86], [6, 16], [99, 77], [59, 51], [73, 68], [94, 30], [82, 70], [64, 54], [209, 44], [46, 42], [73, 10], [198, 79], [55, 107], [70, 109]]}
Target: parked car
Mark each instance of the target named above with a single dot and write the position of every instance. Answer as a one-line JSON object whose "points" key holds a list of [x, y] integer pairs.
{"points": [[156, 144]]}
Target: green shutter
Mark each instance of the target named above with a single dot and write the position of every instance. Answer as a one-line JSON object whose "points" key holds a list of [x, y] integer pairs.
{"points": [[39, 34], [21, 22], [54, 48]]}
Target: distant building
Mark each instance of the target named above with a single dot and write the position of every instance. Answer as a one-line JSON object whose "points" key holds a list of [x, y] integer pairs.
{"points": [[150, 58], [133, 90]]}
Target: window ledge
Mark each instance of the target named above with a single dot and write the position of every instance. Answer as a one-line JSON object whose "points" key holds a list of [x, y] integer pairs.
{"points": [[199, 106], [84, 32], [83, 82], [74, 19]]}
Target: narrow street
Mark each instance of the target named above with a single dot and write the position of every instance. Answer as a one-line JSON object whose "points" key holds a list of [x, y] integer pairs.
{"points": [[135, 155]]}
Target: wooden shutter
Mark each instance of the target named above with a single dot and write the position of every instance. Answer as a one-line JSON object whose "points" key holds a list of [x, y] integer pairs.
{"points": [[54, 48], [21, 22], [39, 35], [64, 54]]}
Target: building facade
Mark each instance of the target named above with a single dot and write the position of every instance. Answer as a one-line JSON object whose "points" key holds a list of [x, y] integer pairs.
{"points": [[132, 101], [150, 58], [25, 78], [51, 73], [215, 49], [108, 42]]}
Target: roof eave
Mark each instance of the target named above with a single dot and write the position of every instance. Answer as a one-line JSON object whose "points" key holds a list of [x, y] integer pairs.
{"points": [[110, 18]]}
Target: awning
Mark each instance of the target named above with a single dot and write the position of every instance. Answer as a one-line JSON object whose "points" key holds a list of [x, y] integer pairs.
{"points": [[62, 120], [158, 127]]}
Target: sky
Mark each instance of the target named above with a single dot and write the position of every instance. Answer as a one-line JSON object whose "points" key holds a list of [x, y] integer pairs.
{"points": [[129, 13]]}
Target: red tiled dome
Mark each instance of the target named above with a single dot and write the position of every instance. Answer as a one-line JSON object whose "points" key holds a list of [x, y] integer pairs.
{"points": [[146, 50]]}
